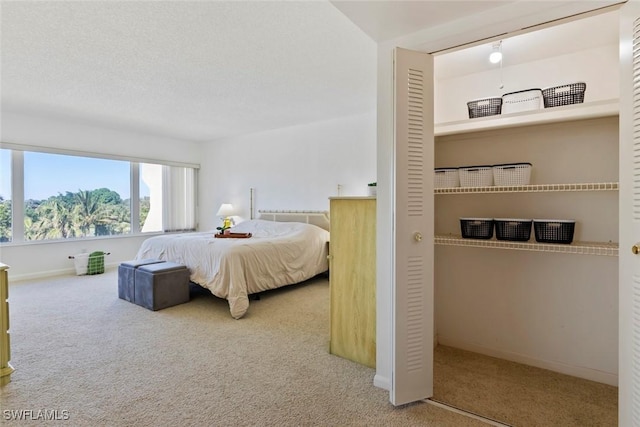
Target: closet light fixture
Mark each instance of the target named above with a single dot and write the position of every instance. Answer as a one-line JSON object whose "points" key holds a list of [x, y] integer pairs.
{"points": [[496, 52]]}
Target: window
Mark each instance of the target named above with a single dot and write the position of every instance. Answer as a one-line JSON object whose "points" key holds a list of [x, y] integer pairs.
{"points": [[91, 197], [167, 198], [5, 196], [71, 196]]}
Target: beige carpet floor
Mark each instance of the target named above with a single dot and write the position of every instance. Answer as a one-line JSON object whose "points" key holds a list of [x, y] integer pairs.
{"points": [[520, 395], [81, 351]]}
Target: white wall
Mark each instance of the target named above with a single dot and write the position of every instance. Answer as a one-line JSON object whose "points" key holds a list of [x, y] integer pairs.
{"points": [[555, 311], [295, 168], [292, 168], [36, 259]]}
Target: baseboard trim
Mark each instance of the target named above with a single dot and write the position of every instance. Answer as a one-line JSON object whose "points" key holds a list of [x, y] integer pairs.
{"points": [[575, 371], [382, 382], [51, 273]]}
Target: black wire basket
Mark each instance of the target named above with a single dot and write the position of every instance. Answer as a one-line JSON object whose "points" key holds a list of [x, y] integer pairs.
{"points": [[476, 228], [514, 230], [554, 230], [484, 107], [556, 96]]}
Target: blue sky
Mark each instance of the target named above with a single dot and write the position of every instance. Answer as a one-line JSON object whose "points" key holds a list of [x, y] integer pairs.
{"points": [[49, 174]]}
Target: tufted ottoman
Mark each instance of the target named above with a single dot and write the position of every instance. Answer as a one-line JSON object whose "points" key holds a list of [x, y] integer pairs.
{"points": [[161, 285], [126, 277]]}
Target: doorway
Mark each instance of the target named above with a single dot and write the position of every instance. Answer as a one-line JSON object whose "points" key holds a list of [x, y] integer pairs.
{"points": [[516, 324]]}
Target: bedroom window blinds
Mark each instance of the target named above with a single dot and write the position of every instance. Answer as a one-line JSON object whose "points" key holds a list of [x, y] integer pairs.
{"points": [[179, 196]]}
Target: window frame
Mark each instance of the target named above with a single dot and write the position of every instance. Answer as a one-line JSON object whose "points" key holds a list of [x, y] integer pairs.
{"points": [[17, 191]]}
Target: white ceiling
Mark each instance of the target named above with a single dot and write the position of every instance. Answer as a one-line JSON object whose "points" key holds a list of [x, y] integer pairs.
{"points": [[591, 32], [206, 70], [197, 70], [385, 20]]}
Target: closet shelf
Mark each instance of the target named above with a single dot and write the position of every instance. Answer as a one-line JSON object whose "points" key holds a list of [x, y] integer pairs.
{"points": [[590, 110], [536, 188], [581, 248]]}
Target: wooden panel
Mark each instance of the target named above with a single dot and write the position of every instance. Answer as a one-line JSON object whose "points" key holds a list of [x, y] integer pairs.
{"points": [[5, 347], [353, 279]]}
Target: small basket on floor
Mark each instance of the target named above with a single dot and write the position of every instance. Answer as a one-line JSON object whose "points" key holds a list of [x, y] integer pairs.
{"points": [[554, 230], [476, 228], [89, 264], [514, 230], [512, 174], [484, 107], [446, 178], [568, 94]]}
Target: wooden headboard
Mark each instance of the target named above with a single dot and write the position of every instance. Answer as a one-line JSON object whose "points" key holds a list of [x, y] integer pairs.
{"points": [[318, 218]]}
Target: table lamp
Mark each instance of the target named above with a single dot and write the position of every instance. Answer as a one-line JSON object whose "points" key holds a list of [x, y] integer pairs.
{"points": [[225, 212]]}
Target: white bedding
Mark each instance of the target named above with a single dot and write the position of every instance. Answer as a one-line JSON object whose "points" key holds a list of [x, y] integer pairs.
{"points": [[277, 254]]}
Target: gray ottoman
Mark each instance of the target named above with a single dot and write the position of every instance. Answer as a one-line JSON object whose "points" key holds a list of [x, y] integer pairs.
{"points": [[126, 277], [161, 285]]}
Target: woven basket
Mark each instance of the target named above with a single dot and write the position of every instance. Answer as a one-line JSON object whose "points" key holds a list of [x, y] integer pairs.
{"points": [[446, 178], [476, 176], [512, 174], [476, 228], [515, 230], [484, 107], [556, 96], [554, 230], [522, 100]]}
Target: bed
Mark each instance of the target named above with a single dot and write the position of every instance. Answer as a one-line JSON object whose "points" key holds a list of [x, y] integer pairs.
{"points": [[277, 254]]}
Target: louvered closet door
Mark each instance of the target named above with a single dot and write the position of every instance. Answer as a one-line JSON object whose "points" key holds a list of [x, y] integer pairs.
{"points": [[629, 328], [412, 377]]}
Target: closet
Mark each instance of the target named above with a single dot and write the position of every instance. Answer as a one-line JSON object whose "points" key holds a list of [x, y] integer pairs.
{"points": [[552, 306]]}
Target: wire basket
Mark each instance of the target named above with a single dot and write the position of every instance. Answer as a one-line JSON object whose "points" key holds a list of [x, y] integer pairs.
{"points": [[446, 178], [512, 174], [96, 263], [484, 107], [522, 100], [515, 230], [476, 176], [476, 228], [554, 230], [556, 96]]}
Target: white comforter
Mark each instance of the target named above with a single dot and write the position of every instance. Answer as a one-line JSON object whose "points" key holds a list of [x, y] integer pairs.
{"points": [[277, 254]]}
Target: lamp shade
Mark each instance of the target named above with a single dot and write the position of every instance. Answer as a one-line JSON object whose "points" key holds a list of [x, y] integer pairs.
{"points": [[226, 209]]}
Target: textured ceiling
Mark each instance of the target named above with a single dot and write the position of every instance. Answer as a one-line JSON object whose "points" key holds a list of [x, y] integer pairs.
{"points": [[190, 70], [204, 70]]}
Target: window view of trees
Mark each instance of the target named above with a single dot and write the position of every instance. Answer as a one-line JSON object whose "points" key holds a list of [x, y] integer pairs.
{"points": [[51, 210], [86, 213], [5, 195], [5, 220], [100, 212]]}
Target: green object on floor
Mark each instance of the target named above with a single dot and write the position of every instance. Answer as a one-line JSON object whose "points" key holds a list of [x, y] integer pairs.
{"points": [[96, 263]]}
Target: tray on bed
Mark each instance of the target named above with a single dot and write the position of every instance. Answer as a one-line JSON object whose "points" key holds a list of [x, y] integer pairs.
{"points": [[233, 236]]}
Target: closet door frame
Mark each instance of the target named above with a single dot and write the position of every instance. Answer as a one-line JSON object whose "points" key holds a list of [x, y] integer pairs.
{"points": [[510, 18]]}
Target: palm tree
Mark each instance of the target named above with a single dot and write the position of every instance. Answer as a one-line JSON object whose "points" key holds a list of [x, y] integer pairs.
{"points": [[54, 221], [88, 212], [116, 220]]}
